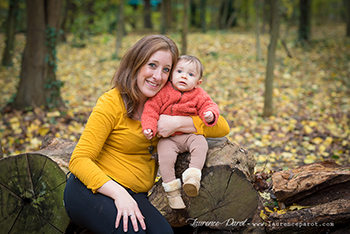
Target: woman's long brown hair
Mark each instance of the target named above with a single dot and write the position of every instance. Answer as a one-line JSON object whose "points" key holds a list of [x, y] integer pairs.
{"points": [[126, 75]]}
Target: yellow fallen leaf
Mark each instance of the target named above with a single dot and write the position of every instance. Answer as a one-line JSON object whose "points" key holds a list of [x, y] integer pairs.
{"points": [[263, 215], [322, 148], [317, 140], [308, 160], [311, 147], [308, 129], [265, 195], [281, 211], [328, 141], [268, 210], [312, 123], [43, 131], [297, 207], [53, 114]]}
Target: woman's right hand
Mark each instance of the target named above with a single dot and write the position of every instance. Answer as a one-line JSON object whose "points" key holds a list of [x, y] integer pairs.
{"points": [[125, 204]]}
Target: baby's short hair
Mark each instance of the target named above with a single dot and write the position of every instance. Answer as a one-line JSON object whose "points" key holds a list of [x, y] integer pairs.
{"points": [[195, 60]]}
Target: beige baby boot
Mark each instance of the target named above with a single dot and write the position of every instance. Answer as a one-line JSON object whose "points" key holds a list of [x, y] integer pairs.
{"points": [[173, 192], [192, 181]]}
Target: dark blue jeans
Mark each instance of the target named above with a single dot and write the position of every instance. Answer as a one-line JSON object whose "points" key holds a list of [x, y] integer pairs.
{"points": [[98, 212]]}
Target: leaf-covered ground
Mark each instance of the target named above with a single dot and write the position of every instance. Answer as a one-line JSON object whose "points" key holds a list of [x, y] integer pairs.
{"points": [[311, 94]]}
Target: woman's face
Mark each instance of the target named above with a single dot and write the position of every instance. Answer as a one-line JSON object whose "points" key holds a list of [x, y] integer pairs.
{"points": [[154, 74]]}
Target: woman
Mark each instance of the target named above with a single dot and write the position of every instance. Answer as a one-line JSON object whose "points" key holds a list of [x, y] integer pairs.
{"points": [[111, 166]]}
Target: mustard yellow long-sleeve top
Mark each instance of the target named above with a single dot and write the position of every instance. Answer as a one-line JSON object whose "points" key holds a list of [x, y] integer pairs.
{"points": [[113, 146]]}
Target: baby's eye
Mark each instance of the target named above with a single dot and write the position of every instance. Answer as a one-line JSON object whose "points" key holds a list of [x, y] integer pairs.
{"points": [[179, 71], [191, 74]]}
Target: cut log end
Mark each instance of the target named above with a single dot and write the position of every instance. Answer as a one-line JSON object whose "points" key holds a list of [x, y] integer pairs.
{"points": [[226, 201]]}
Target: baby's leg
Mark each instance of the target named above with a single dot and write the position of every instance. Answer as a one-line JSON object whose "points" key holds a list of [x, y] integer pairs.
{"points": [[191, 177], [167, 154], [198, 148]]}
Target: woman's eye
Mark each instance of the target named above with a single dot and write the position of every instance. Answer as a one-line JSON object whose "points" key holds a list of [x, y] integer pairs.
{"points": [[152, 65], [166, 69]]}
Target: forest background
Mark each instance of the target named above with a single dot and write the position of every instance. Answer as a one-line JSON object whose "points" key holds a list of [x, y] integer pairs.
{"points": [[311, 74]]}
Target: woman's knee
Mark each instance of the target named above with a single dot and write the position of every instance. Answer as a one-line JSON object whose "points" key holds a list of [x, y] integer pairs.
{"points": [[92, 211]]}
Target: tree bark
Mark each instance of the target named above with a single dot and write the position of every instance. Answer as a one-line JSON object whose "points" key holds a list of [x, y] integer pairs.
{"points": [[325, 181], [347, 13], [38, 85], [147, 13], [120, 28], [268, 99], [185, 27], [10, 33], [257, 28], [202, 15], [1, 153]]}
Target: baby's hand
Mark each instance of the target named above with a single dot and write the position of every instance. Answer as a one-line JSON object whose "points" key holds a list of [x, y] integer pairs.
{"points": [[209, 116], [148, 133]]}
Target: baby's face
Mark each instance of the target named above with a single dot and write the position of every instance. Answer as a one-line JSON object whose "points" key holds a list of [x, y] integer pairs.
{"points": [[186, 76]]}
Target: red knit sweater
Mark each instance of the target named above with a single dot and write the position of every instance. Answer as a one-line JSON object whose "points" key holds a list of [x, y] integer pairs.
{"points": [[170, 101]]}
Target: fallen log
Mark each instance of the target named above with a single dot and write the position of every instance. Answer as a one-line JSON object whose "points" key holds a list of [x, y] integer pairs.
{"points": [[323, 181], [321, 193], [226, 200], [227, 196], [59, 150]]}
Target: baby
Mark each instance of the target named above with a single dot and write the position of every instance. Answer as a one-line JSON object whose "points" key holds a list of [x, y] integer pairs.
{"points": [[181, 96]]}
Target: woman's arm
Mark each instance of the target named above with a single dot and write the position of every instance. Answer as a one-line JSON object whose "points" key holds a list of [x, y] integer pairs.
{"points": [[167, 125]]}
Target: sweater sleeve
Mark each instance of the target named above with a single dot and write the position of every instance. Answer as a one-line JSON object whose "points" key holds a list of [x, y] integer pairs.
{"points": [[220, 129], [100, 124], [205, 103], [151, 112]]}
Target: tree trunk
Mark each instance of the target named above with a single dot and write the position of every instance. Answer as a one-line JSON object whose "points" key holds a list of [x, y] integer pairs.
{"points": [[166, 16], [38, 85], [268, 106], [185, 27], [305, 20], [120, 28], [10, 33], [347, 13], [147, 13], [63, 22], [163, 26], [265, 15], [224, 9], [257, 28], [202, 15], [1, 153]]}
